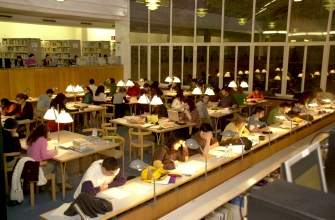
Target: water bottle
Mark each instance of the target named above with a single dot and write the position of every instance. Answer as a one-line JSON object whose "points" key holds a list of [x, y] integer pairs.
{"points": [[94, 132]]}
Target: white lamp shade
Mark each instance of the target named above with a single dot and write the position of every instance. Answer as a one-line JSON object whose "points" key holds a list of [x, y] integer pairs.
{"points": [[240, 72], [313, 104], [257, 71], [246, 72], [300, 75], [156, 101], [264, 71], [78, 89], [317, 73], [277, 78], [332, 71], [143, 99], [121, 83], [141, 80], [232, 84], [168, 79], [51, 114], [209, 91], [176, 80], [326, 100], [288, 78], [244, 84], [218, 74], [196, 91], [70, 88], [277, 69], [130, 83], [64, 117], [227, 74]]}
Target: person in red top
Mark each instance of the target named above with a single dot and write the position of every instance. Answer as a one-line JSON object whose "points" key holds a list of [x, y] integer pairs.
{"points": [[7, 106], [134, 90], [256, 94]]}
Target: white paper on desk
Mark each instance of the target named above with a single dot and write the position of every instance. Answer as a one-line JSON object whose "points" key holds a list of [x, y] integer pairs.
{"points": [[237, 149], [156, 126], [116, 193], [61, 152], [189, 168], [221, 148], [120, 120], [164, 181], [61, 209], [52, 144], [137, 188], [146, 125], [216, 153], [67, 144]]}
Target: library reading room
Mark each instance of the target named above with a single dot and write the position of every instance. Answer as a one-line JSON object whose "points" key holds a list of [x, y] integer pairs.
{"points": [[167, 109]]}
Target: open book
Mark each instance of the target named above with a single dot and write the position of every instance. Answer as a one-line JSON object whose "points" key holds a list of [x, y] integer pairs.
{"points": [[189, 168]]}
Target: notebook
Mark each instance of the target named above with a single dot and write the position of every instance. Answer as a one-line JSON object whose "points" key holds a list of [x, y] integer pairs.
{"points": [[173, 116]]}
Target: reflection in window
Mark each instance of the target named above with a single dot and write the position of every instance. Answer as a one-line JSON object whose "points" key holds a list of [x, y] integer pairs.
{"points": [[243, 66], [183, 21], [201, 65], [143, 62], [260, 71], [164, 63], [160, 23], [177, 57], [154, 76], [188, 65], [134, 62], [295, 69], [275, 69], [229, 65], [138, 22], [331, 71], [313, 67], [214, 54]]}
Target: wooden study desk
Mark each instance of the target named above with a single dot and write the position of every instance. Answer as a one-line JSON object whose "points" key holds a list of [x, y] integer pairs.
{"points": [[220, 170], [25, 122], [217, 114]]}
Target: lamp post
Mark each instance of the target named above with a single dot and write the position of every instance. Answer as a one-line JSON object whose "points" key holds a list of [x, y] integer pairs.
{"points": [[231, 134], [140, 165], [193, 144]]}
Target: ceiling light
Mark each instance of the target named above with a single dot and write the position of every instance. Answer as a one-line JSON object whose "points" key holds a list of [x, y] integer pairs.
{"points": [[240, 72], [332, 71], [227, 74], [257, 71], [242, 21], [317, 73], [232, 84], [152, 4], [244, 84], [297, 0], [264, 71], [246, 72], [277, 69], [271, 25], [277, 78], [176, 80], [201, 12], [300, 75], [60, 0]]}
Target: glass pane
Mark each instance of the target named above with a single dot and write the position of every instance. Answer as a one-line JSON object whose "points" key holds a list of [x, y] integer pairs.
{"points": [[313, 67], [183, 21], [275, 69], [164, 63], [143, 62], [176, 71], [209, 18], [295, 67], [332, 27], [237, 20], [138, 22], [331, 71], [243, 65], [309, 20], [201, 65], [260, 72], [271, 21], [160, 23], [188, 65], [214, 57], [134, 62], [154, 63], [229, 65]]}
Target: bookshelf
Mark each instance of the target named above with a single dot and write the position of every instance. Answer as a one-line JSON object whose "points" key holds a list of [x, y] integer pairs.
{"points": [[96, 48], [62, 50], [13, 47]]}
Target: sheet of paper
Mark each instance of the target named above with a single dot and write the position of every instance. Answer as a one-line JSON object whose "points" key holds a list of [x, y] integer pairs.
{"points": [[237, 149], [221, 148], [164, 181], [189, 168], [146, 125], [116, 193], [137, 188], [61, 152], [67, 144], [216, 153], [61, 209], [52, 144]]}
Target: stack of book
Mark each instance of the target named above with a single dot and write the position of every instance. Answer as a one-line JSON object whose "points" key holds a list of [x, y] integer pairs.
{"points": [[80, 144]]}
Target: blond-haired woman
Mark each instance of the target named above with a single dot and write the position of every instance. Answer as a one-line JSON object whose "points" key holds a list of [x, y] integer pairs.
{"points": [[238, 125]]}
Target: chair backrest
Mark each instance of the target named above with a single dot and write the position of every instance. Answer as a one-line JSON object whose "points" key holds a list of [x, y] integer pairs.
{"points": [[106, 125], [99, 130], [114, 138], [12, 154], [140, 134], [41, 113], [108, 106], [110, 129]]}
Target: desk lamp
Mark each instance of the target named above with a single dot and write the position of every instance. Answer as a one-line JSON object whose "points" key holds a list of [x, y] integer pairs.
{"points": [[176, 80], [196, 91], [244, 84], [144, 100], [26, 90], [129, 83], [156, 101], [140, 165], [209, 91], [63, 117], [231, 134], [282, 117], [232, 84], [227, 74], [193, 144], [80, 212], [121, 83]]}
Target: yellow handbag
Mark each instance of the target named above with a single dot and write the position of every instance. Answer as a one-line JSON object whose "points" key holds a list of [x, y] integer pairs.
{"points": [[158, 173], [153, 119]]}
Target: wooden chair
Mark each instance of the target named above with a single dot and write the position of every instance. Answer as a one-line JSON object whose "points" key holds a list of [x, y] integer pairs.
{"points": [[108, 114], [51, 177], [139, 142], [8, 169], [39, 120], [116, 153]]}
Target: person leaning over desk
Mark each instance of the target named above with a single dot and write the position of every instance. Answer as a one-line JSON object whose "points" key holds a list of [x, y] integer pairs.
{"points": [[7, 107], [238, 125], [168, 155], [19, 62], [110, 82], [254, 123], [282, 109], [205, 139], [101, 175]]}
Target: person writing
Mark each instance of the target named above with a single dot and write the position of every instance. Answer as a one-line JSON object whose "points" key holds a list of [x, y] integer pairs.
{"points": [[282, 109], [238, 125], [19, 62], [101, 175], [254, 122], [11, 141], [24, 109], [31, 62], [44, 101], [8, 107], [256, 94], [190, 112], [168, 155], [205, 139], [47, 60]]}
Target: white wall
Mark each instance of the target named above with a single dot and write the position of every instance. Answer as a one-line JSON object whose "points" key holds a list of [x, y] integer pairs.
{"points": [[94, 34]]}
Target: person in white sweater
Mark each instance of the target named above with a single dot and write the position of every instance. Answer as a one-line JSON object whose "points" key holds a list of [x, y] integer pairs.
{"points": [[177, 101], [100, 95]]}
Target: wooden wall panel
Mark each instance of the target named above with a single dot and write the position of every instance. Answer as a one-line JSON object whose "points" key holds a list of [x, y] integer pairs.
{"points": [[4, 84], [190, 191], [67, 76], [20, 79], [46, 78], [86, 73]]}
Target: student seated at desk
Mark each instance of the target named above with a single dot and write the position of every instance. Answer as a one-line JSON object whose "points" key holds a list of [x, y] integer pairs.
{"points": [[8, 107], [190, 112], [202, 106], [31, 62], [11, 141], [101, 175], [18, 62], [24, 109], [177, 101], [118, 99], [44, 101], [205, 139], [37, 144], [100, 96], [254, 122], [282, 109], [110, 82], [238, 125], [168, 155], [256, 94], [88, 98]]}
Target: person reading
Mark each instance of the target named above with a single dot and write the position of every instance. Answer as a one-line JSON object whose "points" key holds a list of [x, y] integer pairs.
{"points": [[254, 123], [205, 139], [101, 175], [238, 125]]}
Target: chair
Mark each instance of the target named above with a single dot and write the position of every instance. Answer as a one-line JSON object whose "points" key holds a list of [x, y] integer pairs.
{"points": [[109, 129], [117, 153], [139, 142], [51, 177], [8, 169], [108, 114], [39, 120]]}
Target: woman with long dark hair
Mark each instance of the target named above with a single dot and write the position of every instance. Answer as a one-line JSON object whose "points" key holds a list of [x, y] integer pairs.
{"points": [[155, 90], [88, 98], [100, 95], [168, 155], [190, 112]]}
